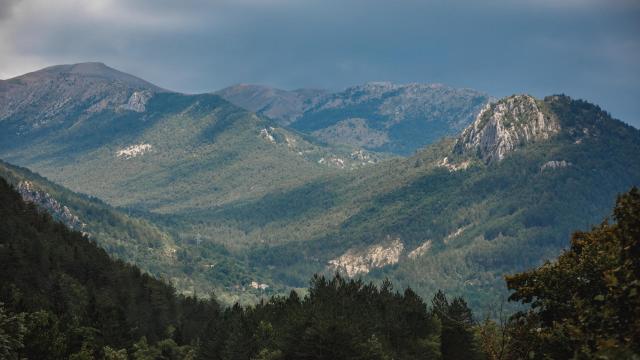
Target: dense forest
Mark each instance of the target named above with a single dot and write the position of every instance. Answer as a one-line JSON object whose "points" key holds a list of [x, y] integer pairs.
{"points": [[215, 198], [63, 297]]}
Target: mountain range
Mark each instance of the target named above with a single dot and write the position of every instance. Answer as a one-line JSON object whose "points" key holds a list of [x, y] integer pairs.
{"points": [[101, 132], [377, 116], [222, 198]]}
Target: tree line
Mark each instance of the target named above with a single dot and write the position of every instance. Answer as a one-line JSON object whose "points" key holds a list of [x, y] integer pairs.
{"points": [[63, 297]]}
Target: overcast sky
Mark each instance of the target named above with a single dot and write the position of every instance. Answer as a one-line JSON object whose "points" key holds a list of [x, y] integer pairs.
{"points": [[585, 48]]}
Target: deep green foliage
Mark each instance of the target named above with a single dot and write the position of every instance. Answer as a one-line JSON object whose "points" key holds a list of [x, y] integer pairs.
{"points": [[72, 298], [586, 304], [219, 206], [66, 298], [12, 330], [458, 339], [512, 215], [338, 319], [133, 239]]}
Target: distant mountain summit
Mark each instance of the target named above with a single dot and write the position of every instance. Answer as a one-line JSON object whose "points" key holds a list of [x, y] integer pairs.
{"points": [[283, 106], [520, 120], [88, 124], [506, 124], [95, 70], [52, 97], [379, 116]]}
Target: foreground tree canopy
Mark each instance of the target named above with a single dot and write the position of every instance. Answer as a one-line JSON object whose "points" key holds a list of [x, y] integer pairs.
{"points": [[587, 302], [64, 298]]}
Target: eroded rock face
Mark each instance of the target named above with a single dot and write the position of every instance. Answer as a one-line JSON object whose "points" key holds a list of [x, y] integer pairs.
{"points": [[463, 165], [333, 161], [555, 164], [138, 101], [360, 262], [46, 202], [363, 156], [420, 250], [267, 134], [133, 151], [454, 235], [281, 137], [502, 127]]}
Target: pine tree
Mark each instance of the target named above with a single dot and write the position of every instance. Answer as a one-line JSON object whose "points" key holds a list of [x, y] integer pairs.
{"points": [[112, 354], [142, 350], [12, 331], [457, 337]]}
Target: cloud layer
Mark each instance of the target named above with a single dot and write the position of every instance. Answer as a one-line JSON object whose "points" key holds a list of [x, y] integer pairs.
{"points": [[585, 48]]}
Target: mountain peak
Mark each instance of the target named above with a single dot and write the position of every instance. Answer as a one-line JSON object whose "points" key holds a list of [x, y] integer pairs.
{"points": [[91, 66], [95, 70], [505, 125], [46, 98], [88, 73]]}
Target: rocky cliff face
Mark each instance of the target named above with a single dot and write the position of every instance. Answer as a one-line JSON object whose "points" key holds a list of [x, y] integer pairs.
{"points": [[555, 164], [46, 202], [502, 127], [360, 262], [138, 101]]}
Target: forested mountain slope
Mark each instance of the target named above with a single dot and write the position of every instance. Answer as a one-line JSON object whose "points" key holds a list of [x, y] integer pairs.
{"points": [[62, 297], [447, 218], [132, 144], [72, 298], [388, 117], [120, 234], [51, 98], [247, 207], [502, 197], [133, 238]]}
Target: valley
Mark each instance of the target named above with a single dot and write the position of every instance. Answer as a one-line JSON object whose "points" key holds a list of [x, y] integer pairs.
{"points": [[317, 180], [214, 197]]}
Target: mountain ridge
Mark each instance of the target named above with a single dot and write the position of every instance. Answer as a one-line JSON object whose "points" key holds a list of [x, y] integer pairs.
{"points": [[284, 106], [124, 137], [378, 116], [280, 206], [61, 96]]}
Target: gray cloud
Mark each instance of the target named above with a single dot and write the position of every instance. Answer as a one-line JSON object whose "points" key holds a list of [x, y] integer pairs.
{"points": [[585, 48], [6, 7]]}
